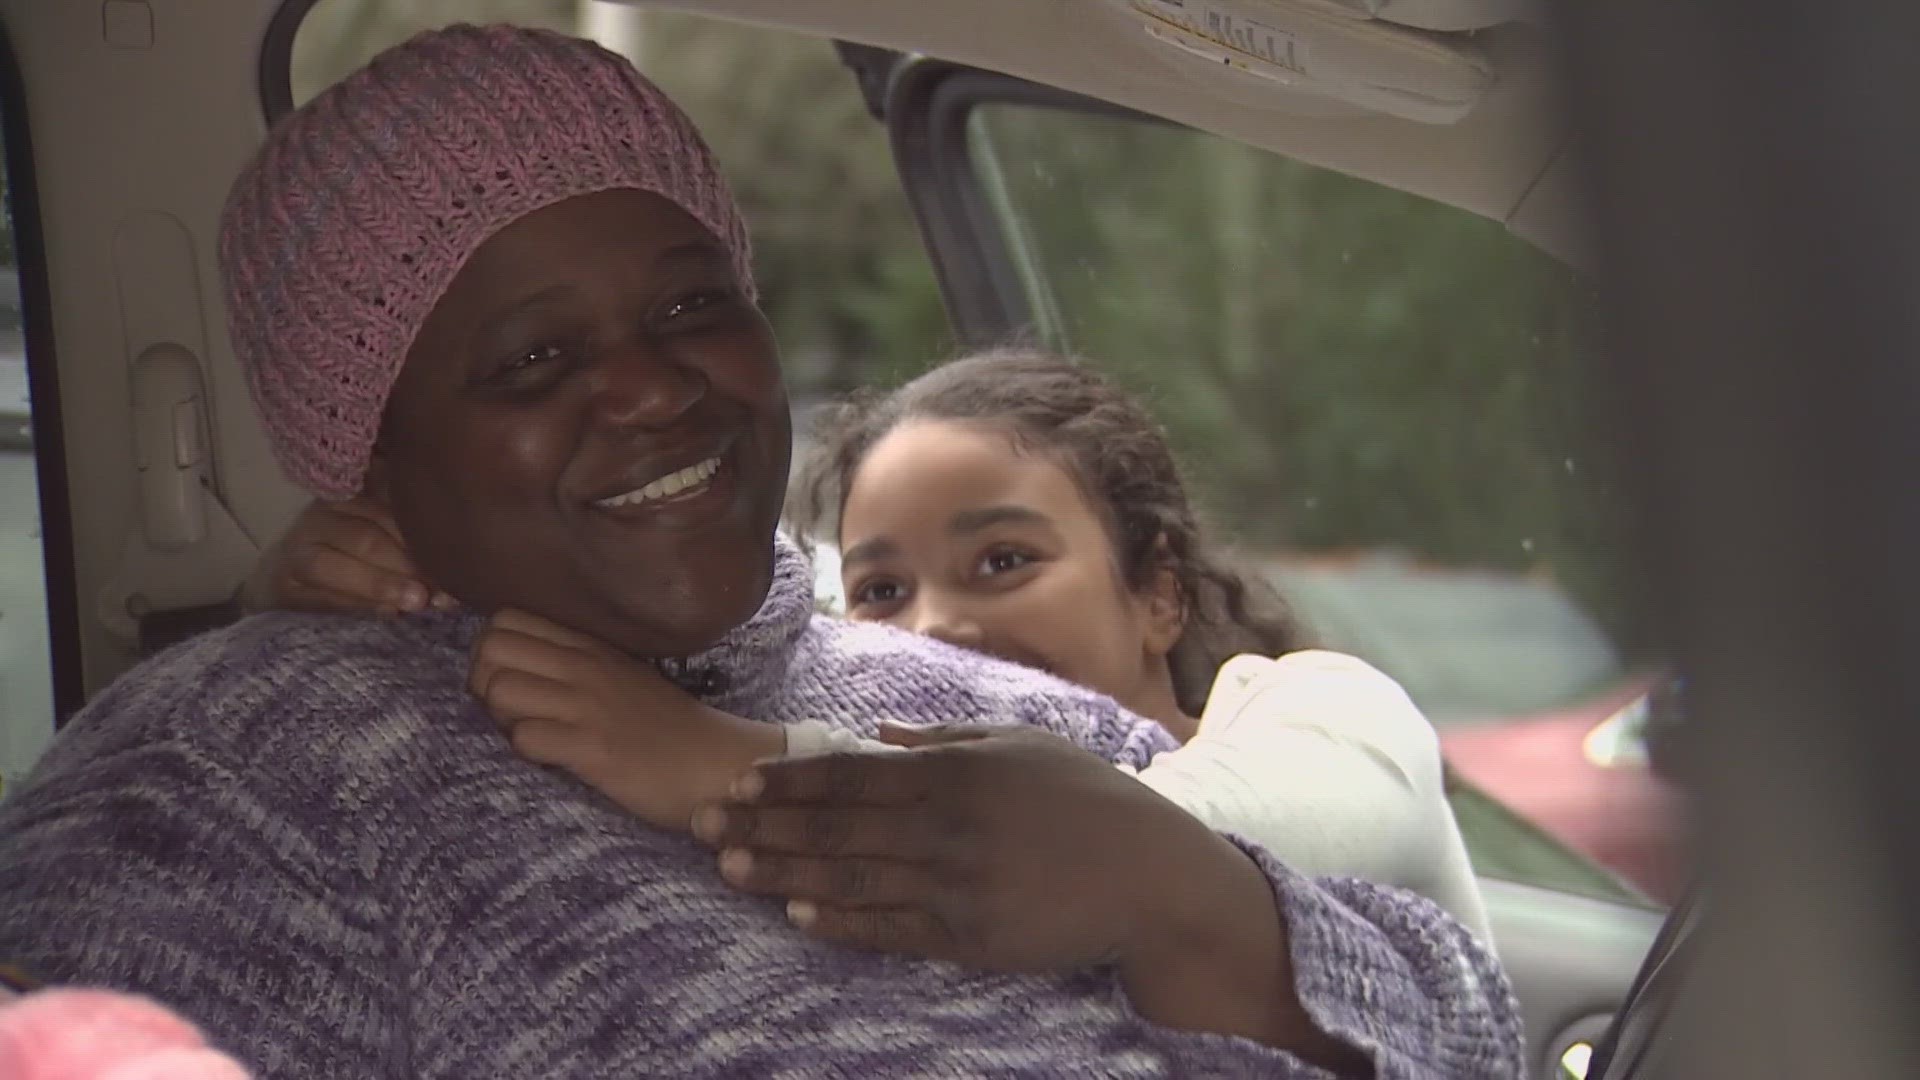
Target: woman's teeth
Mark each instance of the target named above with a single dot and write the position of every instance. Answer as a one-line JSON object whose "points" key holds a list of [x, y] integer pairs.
{"points": [[667, 486]]}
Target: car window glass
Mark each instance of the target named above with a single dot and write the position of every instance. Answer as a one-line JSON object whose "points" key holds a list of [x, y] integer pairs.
{"points": [[1504, 845], [26, 675], [1378, 399]]}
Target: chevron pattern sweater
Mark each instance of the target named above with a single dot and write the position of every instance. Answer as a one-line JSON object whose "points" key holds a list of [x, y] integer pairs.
{"points": [[302, 833]]}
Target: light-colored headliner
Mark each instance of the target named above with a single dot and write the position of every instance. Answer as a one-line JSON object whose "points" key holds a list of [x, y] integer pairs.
{"points": [[1491, 162]]}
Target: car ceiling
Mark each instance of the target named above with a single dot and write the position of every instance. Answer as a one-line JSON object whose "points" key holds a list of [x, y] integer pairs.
{"points": [[1504, 158]]}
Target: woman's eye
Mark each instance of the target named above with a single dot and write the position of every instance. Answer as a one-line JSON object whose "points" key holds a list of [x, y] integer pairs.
{"points": [[539, 354], [526, 367], [700, 300], [1003, 562]]}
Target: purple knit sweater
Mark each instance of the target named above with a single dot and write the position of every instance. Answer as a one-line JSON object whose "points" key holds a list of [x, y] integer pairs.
{"points": [[303, 833]]}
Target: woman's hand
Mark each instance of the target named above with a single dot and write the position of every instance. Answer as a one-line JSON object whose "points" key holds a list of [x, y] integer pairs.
{"points": [[346, 558], [1011, 849], [569, 701], [1002, 848]]}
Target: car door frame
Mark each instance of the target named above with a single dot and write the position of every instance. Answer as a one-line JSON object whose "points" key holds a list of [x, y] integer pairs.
{"points": [[924, 104], [48, 434]]}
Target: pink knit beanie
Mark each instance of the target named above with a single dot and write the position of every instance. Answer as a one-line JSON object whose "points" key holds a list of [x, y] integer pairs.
{"points": [[348, 226]]}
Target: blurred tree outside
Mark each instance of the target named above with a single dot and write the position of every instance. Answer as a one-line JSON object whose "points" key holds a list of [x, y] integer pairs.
{"points": [[841, 267], [1342, 366]]}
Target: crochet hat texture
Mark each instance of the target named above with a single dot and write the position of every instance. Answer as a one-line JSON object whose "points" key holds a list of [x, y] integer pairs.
{"points": [[348, 226]]}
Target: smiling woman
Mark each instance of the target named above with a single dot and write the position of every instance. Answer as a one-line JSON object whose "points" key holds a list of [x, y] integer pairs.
{"points": [[600, 401]]}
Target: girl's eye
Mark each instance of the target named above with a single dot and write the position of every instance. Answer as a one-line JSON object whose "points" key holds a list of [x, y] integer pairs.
{"points": [[877, 592], [1003, 562]]}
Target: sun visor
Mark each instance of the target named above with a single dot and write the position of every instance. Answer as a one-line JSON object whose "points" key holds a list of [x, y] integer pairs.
{"points": [[1446, 16], [1337, 49]]}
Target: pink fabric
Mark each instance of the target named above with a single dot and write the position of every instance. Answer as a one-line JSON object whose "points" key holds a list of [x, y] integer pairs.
{"points": [[348, 225], [101, 1035]]}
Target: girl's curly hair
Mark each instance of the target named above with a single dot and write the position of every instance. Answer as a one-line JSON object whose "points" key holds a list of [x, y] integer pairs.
{"points": [[1116, 453]]}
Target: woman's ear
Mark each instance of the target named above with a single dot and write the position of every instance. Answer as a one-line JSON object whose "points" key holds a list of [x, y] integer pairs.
{"points": [[1165, 602]]}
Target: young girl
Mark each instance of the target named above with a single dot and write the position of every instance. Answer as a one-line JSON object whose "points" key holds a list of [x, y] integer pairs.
{"points": [[1015, 503], [1018, 504]]}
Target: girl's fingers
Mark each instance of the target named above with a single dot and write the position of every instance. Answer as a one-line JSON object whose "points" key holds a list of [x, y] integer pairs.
{"points": [[549, 742], [365, 586], [293, 596], [514, 696], [363, 509], [364, 531], [503, 649], [525, 622]]}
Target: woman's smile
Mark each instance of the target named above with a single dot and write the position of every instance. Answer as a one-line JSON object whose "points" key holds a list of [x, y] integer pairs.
{"points": [[716, 488]]}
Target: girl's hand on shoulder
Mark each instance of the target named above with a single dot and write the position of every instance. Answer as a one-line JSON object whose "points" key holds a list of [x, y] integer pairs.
{"points": [[570, 701], [343, 558]]}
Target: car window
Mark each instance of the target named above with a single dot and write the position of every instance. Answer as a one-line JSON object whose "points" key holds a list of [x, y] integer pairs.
{"points": [[1504, 845], [1377, 398], [26, 663], [842, 272]]}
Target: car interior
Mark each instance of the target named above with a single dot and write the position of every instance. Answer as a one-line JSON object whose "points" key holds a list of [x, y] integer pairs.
{"points": [[1178, 190]]}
